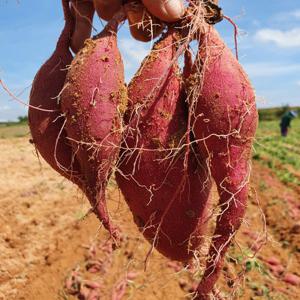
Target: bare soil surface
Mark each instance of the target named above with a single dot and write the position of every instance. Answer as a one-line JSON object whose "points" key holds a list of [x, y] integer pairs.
{"points": [[49, 251]]}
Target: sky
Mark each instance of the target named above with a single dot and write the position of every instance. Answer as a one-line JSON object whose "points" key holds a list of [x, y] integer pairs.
{"points": [[269, 47]]}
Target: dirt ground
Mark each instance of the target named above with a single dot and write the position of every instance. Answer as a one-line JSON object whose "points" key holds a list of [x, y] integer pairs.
{"points": [[48, 250]]}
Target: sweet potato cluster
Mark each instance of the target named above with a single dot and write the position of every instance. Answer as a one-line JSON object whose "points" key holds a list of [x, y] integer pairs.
{"points": [[167, 136]]}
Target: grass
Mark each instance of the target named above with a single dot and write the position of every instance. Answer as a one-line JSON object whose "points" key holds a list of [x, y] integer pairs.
{"points": [[13, 130]]}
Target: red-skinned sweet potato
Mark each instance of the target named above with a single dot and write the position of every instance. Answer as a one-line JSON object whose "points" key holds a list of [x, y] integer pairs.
{"points": [[225, 121], [83, 12], [46, 121], [93, 99], [165, 187]]}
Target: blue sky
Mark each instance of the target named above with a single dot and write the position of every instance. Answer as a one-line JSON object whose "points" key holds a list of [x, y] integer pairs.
{"points": [[269, 47]]}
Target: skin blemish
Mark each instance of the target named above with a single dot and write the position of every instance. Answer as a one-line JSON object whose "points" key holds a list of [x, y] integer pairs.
{"points": [[105, 58], [190, 213], [139, 221], [217, 95]]}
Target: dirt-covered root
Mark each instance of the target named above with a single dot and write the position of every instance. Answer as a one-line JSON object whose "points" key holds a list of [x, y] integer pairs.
{"points": [[163, 178], [224, 121], [93, 99]]}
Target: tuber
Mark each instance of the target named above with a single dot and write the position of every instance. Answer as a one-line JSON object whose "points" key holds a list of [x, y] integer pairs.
{"points": [[162, 179], [222, 102], [46, 121], [93, 100]]}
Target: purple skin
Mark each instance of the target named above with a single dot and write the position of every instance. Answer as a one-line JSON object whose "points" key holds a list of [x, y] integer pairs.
{"points": [[167, 191], [47, 128], [92, 99], [226, 118]]}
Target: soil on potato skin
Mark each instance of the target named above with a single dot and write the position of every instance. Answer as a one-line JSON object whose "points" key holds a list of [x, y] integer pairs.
{"points": [[44, 240]]}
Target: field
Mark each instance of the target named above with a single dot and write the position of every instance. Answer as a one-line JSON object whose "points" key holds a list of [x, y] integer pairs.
{"points": [[282, 155], [8, 131], [50, 249]]}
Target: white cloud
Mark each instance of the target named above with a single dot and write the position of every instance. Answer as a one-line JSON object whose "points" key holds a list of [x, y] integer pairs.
{"points": [[271, 69], [286, 16], [4, 108], [298, 82], [256, 23], [296, 13], [283, 39]]}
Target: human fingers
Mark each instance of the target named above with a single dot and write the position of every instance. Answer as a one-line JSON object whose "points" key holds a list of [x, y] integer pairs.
{"points": [[107, 8], [83, 10], [165, 10], [143, 26]]}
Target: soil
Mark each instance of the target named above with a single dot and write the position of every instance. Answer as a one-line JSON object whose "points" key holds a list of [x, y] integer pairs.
{"points": [[50, 249]]}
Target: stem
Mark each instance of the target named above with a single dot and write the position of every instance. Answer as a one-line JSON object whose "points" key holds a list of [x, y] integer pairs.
{"points": [[113, 24], [65, 36], [235, 36]]}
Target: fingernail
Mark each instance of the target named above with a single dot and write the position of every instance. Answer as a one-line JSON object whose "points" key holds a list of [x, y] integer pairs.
{"points": [[174, 8]]}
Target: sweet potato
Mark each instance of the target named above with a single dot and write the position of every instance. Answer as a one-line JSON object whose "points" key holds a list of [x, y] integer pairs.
{"points": [[225, 121], [45, 118], [93, 99], [164, 183], [105, 9], [83, 12]]}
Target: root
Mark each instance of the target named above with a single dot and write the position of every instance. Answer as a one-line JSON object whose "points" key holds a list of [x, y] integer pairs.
{"points": [[77, 13], [7, 90], [235, 36], [68, 171]]}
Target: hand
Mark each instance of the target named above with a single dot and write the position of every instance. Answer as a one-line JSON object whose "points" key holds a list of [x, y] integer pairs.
{"points": [[143, 25], [144, 16], [165, 10]]}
